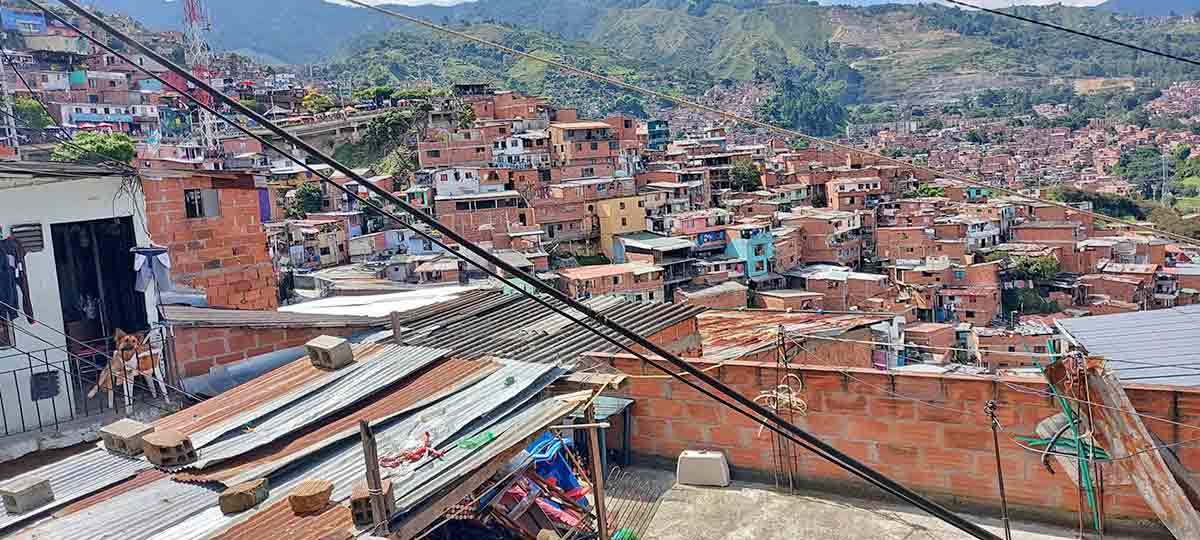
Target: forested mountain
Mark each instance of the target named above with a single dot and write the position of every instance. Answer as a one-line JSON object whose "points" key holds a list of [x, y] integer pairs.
{"points": [[1151, 8], [814, 57]]}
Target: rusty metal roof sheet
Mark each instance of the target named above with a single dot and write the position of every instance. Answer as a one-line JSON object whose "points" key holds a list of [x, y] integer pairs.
{"points": [[731, 334], [440, 381], [378, 369], [209, 317], [76, 477], [278, 521], [467, 412], [148, 512], [270, 399]]}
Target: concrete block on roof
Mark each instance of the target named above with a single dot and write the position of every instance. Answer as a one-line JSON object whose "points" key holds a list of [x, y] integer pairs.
{"points": [[310, 496], [125, 436], [329, 352], [360, 504], [702, 468], [25, 494], [244, 496], [168, 448]]}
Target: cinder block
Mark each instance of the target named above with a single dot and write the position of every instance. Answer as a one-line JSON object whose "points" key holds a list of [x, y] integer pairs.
{"points": [[125, 436], [329, 352], [25, 494], [360, 504], [243, 496], [310, 496], [168, 448], [702, 468]]}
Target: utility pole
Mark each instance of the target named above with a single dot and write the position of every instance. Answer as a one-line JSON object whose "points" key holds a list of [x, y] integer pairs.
{"points": [[990, 409]]}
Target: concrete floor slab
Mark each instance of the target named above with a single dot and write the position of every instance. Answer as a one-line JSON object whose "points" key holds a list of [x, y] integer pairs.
{"points": [[746, 511]]}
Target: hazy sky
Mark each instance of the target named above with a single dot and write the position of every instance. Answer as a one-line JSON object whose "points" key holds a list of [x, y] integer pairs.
{"points": [[983, 3]]}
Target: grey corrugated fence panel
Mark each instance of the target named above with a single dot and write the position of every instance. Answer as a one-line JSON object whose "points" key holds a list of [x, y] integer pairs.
{"points": [[238, 421], [134, 515], [76, 477], [380, 370], [342, 463]]}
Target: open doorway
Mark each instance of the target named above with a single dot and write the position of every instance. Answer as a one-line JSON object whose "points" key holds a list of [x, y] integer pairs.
{"points": [[96, 290]]}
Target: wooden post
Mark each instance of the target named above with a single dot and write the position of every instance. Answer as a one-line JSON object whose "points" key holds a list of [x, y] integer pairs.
{"points": [[374, 483], [395, 316], [589, 416]]}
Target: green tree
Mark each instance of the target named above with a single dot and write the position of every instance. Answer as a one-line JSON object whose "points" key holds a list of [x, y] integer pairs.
{"points": [[1035, 268], [746, 177], [466, 116], [803, 105], [308, 199], [376, 94], [316, 103], [926, 190], [974, 136], [30, 114], [95, 148]]}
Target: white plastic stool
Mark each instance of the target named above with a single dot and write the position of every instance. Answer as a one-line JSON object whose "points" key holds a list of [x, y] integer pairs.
{"points": [[702, 468]]}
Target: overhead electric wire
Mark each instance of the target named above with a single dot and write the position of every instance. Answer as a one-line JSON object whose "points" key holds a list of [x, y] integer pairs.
{"points": [[763, 125], [1080, 33], [751, 409]]}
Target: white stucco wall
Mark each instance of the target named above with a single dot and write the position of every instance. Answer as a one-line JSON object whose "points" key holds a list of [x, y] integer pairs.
{"points": [[48, 204]]}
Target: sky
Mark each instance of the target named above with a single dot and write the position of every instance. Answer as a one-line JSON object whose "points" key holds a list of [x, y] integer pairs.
{"points": [[982, 3]]}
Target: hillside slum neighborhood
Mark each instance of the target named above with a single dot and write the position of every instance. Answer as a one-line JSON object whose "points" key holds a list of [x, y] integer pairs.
{"points": [[334, 375]]}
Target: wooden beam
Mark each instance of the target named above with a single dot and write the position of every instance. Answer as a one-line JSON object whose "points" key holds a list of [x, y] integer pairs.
{"points": [[1126, 438]]}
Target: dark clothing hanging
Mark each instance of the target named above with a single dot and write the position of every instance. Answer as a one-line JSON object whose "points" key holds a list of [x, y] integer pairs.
{"points": [[14, 280]]}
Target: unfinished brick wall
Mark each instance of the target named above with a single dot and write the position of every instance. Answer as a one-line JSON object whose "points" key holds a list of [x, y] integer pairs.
{"points": [[224, 256], [199, 349], [945, 451]]}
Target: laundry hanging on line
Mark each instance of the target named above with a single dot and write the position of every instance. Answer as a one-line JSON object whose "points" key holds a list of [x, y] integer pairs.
{"points": [[152, 264], [14, 281]]}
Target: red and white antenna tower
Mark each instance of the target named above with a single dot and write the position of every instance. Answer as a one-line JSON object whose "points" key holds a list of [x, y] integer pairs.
{"points": [[199, 58]]}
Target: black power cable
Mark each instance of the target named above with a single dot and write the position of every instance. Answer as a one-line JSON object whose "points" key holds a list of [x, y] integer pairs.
{"points": [[751, 409]]}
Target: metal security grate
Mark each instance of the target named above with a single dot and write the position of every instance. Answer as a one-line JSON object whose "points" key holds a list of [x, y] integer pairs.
{"points": [[30, 235]]}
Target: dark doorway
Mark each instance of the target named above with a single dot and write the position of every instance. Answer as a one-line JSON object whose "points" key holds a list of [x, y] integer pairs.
{"points": [[96, 278]]}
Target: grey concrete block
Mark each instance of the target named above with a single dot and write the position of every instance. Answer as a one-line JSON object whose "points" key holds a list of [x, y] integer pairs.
{"points": [[329, 352], [26, 493], [125, 436]]}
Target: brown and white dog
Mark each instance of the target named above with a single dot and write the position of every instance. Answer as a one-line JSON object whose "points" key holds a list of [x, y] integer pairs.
{"points": [[132, 357]]}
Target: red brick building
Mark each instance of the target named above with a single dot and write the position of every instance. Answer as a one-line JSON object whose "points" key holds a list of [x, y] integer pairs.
{"points": [[210, 223]]}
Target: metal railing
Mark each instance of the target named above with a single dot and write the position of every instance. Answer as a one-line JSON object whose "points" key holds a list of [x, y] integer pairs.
{"points": [[49, 387]]}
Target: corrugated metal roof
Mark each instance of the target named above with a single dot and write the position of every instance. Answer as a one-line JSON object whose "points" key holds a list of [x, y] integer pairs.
{"points": [[76, 477], [258, 408], [1130, 340], [207, 413], [439, 382], [468, 412], [377, 370], [278, 521], [139, 514], [208, 317], [489, 330], [730, 334], [435, 475]]}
